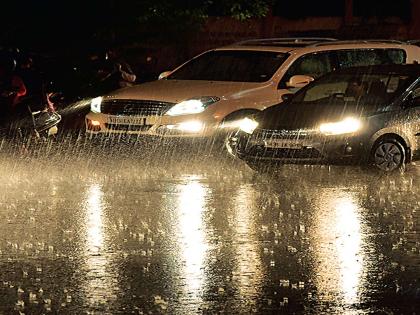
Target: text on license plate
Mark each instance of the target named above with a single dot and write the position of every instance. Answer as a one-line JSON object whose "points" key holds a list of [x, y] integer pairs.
{"points": [[282, 144], [127, 120]]}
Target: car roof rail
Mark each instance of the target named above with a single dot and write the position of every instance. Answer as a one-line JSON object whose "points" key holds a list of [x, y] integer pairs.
{"points": [[361, 41], [285, 41], [414, 42]]}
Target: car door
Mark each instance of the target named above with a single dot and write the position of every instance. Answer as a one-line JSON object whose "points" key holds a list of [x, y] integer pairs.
{"points": [[414, 116]]}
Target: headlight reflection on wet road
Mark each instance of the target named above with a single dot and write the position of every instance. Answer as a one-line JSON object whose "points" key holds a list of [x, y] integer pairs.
{"points": [[310, 240], [248, 268], [192, 242], [95, 233], [339, 247], [101, 283]]}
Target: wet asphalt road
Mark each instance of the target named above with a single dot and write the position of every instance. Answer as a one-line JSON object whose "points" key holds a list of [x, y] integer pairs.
{"points": [[90, 230]]}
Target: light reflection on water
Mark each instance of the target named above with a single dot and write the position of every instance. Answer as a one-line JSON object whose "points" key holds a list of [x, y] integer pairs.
{"points": [[339, 248], [101, 285], [194, 247], [95, 232], [248, 268], [349, 228], [192, 240]]}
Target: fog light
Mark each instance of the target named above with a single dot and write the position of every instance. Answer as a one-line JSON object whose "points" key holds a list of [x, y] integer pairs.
{"points": [[190, 126], [93, 125], [348, 149]]}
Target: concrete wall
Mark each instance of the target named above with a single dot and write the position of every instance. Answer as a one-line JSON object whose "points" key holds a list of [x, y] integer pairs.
{"points": [[224, 30], [415, 19], [220, 31]]}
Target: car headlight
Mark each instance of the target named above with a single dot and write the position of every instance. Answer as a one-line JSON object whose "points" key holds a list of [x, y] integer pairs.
{"points": [[348, 125], [95, 104], [248, 125], [192, 106]]}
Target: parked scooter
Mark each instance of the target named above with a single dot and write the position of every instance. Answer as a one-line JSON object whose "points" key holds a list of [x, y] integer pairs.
{"points": [[45, 123], [31, 118], [73, 102]]}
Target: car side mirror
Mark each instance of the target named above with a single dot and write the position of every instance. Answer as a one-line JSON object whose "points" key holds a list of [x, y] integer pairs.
{"points": [[286, 97], [299, 81], [164, 75]]}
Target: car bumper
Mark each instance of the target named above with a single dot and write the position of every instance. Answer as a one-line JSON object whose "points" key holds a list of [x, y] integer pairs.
{"points": [[312, 150], [193, 126]]}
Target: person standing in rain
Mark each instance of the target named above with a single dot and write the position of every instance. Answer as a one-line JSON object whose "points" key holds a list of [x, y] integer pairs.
{"points": [[31, 76], [109, 72], [12, 87], [125, 74]]}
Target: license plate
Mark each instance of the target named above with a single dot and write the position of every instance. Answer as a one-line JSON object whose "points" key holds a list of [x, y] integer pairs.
{"points": [[282, 144], [127, 120]]}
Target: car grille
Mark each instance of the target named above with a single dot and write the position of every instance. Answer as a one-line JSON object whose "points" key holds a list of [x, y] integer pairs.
{"points": [[135, 107], [121, 127], [285, 134], [305, 153]]}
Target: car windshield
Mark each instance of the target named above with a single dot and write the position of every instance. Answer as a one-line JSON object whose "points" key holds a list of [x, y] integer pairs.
{"points": [[231, 65], [370, 91]]}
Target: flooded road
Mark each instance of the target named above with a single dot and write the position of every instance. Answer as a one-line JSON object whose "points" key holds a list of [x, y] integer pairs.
{"points": [[121, 232]]}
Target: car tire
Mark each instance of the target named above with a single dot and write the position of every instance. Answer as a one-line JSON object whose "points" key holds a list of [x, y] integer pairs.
{"points": [[388, 155]]}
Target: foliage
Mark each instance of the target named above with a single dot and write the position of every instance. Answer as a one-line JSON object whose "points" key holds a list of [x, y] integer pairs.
{"points": [[245, 9], [91, 22]]}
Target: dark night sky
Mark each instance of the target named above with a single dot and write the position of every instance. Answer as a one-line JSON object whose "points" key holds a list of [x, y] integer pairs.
{"points": [[302, 8], [67, 23]]}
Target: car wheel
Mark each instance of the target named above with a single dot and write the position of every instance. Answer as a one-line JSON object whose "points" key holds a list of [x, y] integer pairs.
{"points": [[388, 155]]}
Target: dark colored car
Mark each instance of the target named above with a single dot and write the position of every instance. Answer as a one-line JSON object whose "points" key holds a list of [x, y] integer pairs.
{"points": [[362, 114]]}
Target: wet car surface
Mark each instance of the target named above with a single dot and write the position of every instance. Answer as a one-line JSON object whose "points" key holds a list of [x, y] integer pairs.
{"points": [[366, 115], [98, 231]]}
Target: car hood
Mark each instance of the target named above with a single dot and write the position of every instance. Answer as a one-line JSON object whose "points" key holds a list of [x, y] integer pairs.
{"points": [[305, 116], [178, 90]]}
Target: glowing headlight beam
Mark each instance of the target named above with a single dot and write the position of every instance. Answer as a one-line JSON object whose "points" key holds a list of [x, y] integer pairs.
{"points": [[248, 125], [95, 104], [348, 125], [186, 108], [192, 106]]}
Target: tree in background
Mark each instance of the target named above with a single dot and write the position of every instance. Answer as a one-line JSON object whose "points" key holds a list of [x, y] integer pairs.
{"points": [[57, 25]]}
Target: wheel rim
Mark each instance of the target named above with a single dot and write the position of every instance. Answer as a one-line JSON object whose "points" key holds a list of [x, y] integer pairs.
{"points": [[388, 156]]}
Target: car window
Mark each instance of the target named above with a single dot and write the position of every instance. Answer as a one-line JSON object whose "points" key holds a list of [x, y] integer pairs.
{"points": [[323, 91], [231, 65], [367, 57], [368, 90], [314, 65]]}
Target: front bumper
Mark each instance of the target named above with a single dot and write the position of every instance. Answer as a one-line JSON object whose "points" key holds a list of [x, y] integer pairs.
{"points": [[308, 149], [191, 126]]}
